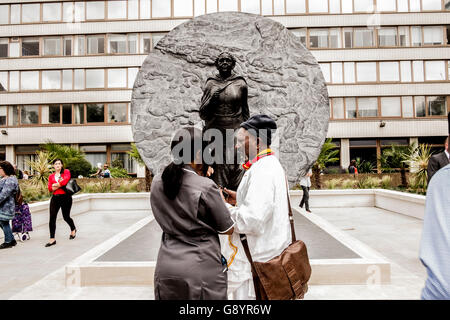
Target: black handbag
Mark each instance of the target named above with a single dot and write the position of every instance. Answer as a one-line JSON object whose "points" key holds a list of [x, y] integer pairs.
{"points": [[72, 187]]}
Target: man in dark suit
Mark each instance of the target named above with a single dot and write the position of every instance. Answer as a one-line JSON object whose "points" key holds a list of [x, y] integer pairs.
{"points": [[438, 161]]}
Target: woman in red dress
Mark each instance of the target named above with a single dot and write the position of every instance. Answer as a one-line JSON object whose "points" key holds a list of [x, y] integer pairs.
{"points": [[60, 200]]}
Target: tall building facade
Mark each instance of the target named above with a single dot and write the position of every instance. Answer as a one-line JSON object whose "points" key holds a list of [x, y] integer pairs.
{"points": [[67, 69]]}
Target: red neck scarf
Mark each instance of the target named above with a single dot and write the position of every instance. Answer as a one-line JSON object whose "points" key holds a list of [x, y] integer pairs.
{"points": [[262, 154]]}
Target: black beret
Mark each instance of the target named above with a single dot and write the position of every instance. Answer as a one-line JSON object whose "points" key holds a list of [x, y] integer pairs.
{"points": [[262, 126]]}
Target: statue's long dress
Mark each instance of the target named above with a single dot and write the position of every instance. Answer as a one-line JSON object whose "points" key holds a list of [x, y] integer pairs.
{"points": [[226, 112]]}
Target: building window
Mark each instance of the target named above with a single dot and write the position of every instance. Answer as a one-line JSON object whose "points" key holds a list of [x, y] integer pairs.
{"points": [[349, 72], [3, 81], [434, 70], [348, 38], [364, 38], [407, 107], [67, 46], [4, 48], [419, 106], [335, 38], [117, 112], [145, 9], [318, 38], [252, 6], [301, 33], [416, 36], [433, 36], [117, 9], [387, 37], [350, 108], [117, 78], [79, 12], [132, 74], [67, 114], [15, 13], [52, 46], [51, 114], [4, 14], [386, 5], [390, 106], [13, 116], [318, 6], [336, 72], [51, 80], [363, 5], [51, 11], [95, 78], [95, 112], [278, 7], [431, 5], [117, 43], [447, 5], [95, 10], [366, 71], [29, 80], [389, 71], [436, 106], [347, 6], [146, 43], [79, 79], [29, 115], [182, 8], [95, 154], [3, 111], [78, 111], [367, 107], [405, 67], [95, 44], [325, 67], [68, 11], [403, 36], [338, 108], [418, 71], [14, 80], [156, 37], [31, 13], [161, 8], [132, 43], [30, 47], [67, 79], [133, 9], [79, 47]]}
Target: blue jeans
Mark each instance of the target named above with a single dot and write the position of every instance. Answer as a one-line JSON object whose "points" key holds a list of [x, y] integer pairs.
{"points": [[4, 224]]}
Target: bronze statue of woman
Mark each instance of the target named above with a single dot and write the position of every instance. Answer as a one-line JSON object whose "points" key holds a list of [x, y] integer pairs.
{"points": [[224, 106]]}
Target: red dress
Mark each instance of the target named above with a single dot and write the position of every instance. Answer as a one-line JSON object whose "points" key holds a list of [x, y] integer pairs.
{"points": [[63, 179]]}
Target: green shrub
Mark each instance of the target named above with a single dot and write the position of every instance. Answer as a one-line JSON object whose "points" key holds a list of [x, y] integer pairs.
{"points": [[128, 186], [102, 186], [348, 184], [369, 183], [332, 183], [386, 182], [119, 172], [78, 167], [33, 192]]}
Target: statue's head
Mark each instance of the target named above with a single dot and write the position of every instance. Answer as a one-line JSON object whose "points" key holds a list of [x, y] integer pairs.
{"points": [[225, 62]]}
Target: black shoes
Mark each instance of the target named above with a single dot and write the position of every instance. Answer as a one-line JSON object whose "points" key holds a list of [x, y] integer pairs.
{"points": [[6, 245], [50, 244], [71, 237]]}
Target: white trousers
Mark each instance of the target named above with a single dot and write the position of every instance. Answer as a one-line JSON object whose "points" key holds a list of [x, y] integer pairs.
{"points": [[241, 290]]}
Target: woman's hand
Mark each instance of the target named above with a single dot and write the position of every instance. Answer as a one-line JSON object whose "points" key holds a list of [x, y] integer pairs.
{"points": [[231, 197], [210, 172]]}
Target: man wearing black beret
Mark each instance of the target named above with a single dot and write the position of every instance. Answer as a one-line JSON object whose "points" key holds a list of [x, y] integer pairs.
{"points": [[261, 210]]}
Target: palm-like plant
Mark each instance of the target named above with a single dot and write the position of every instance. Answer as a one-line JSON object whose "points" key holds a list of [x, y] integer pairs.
{"points": [[42, 168], [134, 153], [418, 162], [396, 157], [73, 158], [327, 155]]}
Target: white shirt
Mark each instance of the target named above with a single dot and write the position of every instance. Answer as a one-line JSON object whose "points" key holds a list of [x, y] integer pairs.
{"points": [[305, 180], [262, 214]]}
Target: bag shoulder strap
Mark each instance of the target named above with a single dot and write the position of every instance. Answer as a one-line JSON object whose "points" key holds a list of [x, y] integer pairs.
{"points": [[243, 237]]}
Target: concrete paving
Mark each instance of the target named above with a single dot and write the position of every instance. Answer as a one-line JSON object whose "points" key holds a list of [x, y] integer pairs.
{"points": [[395, 236], [30, 261]]}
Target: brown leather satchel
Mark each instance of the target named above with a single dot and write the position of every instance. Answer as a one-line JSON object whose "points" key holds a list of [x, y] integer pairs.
{"points": [[284, 277]]}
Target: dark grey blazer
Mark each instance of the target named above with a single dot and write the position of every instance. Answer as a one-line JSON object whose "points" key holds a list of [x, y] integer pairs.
{"points": [[435, 163]]}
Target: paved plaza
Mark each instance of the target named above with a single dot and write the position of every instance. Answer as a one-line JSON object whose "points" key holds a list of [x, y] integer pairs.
{"points": [[31, 271]]}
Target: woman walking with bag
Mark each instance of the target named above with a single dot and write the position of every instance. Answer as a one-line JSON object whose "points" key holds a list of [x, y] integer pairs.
{"points": [[8, 189], [60, 199]]}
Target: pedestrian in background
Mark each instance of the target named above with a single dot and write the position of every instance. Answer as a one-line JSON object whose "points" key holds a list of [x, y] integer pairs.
{"points": [[8, 189], [305, 183], [352, 168], [60, 200]]}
